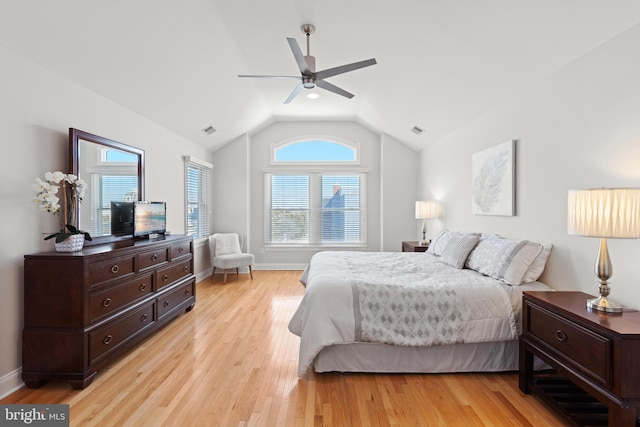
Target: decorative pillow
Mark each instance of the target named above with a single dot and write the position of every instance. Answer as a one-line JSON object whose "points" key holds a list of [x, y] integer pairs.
{"points": [[227, 243], [516, 260], [439, 242], [486, 256], [458, 248], [537, 267]]}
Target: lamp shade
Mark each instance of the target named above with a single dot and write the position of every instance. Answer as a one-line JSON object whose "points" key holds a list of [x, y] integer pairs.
{"points": [[427, 210], [604, 212]]}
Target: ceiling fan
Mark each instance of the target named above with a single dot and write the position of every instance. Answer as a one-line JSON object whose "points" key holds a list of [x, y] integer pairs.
{"points": [[311, 78]]}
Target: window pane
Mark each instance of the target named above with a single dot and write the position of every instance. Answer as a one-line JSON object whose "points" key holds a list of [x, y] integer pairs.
{"points": [[289, 210], [340, 208], [197, 210], [313, 151]]}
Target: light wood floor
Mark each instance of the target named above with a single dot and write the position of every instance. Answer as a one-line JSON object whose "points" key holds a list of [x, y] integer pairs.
{"points": [[232, 362]]}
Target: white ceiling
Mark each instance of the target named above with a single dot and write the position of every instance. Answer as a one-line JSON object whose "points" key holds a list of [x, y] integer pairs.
{"points": [[441, 63]]}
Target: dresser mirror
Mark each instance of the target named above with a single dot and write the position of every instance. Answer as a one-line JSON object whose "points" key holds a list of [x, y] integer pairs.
{"points": [[112, 170]]}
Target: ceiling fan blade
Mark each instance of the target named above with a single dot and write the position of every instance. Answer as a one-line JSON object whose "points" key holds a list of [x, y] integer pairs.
{"points": [[295, 92], [297, 53], [268, 76], [333, 88], [344, 68]]}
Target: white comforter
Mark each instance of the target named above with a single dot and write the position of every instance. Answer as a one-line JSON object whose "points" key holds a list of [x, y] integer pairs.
{"points": [[399, 298]]}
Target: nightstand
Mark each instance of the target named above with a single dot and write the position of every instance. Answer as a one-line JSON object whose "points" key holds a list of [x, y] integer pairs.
{"points": [[594, 356], [414, 247]]}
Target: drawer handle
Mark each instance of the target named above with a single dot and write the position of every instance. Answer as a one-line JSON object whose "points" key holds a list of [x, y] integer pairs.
{"points": [[561, 335], [180, 249], [143, 287], [165, 278], [143, 318], [115, 269], [154, 257], [185, 268], [166, 304], [187, 291], [107, 340], [106, 302]]}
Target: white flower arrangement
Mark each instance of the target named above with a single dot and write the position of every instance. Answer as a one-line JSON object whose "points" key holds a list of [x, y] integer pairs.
{"points": [[73, 189]]}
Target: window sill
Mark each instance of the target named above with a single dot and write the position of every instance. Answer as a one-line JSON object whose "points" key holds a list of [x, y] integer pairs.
{"points": [[315, 248]]}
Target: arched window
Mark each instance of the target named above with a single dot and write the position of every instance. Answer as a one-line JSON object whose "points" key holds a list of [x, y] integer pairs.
{"points": [[315, 151], [315, 196]]}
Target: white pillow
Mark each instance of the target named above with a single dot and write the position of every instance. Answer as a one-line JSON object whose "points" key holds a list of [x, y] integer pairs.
{"points": [[487, 254], [537, 266], [227, 243], [458, 248], [516, 260], [439, 242]]}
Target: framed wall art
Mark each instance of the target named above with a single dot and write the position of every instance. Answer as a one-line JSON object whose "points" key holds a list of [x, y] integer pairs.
{"points": [[493, 176]]}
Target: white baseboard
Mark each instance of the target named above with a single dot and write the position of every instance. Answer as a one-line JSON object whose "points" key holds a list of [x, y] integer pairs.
{"points": [[10, 383], [270, 266]]}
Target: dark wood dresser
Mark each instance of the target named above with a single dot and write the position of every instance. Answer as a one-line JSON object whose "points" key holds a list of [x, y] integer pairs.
{"points": [[82, 310], [595, 358]]}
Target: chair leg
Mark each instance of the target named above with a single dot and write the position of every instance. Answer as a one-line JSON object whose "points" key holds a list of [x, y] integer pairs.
{"points": [[237, 272], [251, 272], [225, 276], [214, 272]]}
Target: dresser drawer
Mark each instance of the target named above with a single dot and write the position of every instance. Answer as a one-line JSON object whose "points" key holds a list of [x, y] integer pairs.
{"points": [[113, 268], [153, 258], [180, 250], [114, 298], [587, 349], [173, 273], [173, 299], [108, 338]]}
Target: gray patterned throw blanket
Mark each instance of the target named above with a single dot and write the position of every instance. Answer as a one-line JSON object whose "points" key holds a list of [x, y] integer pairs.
{"points": [[398, 298]]}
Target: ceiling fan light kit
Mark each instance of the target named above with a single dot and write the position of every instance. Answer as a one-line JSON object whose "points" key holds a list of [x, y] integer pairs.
{"points": [[309, 78]]}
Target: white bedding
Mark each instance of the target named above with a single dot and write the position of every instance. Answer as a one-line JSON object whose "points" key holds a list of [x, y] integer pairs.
{"points": [[401, 298]]}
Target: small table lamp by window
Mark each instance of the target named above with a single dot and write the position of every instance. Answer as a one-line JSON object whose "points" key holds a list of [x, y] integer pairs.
{"points": [[426, 210], [605, 213]]}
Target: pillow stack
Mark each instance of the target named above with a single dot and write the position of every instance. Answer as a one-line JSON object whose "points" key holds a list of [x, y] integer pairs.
{"points": [[512, 261]]}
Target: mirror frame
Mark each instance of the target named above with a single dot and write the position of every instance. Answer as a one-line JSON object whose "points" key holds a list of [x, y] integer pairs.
{"points": [[75, 135]]}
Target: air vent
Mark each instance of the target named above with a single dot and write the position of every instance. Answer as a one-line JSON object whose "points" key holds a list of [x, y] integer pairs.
{"points": [[417, 130], [209, 130]]}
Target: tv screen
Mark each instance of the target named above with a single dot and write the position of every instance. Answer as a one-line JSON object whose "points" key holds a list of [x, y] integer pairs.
{"points": [[149, 218], [121, 218]]}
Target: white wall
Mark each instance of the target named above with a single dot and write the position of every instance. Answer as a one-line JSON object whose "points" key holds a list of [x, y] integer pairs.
{"points": [[37, 107], [391, 187], [398, 196], [578, 128]]}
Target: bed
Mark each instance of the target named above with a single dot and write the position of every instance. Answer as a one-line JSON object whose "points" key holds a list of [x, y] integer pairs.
{"points": [[454, 308]]}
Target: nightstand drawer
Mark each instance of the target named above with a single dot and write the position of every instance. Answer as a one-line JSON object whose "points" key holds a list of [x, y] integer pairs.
{"points": [[588, 350]]}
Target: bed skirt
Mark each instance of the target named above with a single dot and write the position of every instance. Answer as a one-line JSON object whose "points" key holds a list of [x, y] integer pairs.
{"points": [[384, 358]]}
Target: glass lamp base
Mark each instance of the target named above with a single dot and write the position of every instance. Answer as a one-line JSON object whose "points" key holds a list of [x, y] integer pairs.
{"points": [[603, 304]]}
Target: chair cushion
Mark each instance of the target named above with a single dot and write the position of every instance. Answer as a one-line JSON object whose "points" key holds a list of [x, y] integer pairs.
{"points": [[227, 243], [233, 260]]}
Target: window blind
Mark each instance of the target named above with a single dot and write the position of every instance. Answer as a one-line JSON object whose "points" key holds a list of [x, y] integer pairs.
{"points": [[314, 209], [197, 197]]}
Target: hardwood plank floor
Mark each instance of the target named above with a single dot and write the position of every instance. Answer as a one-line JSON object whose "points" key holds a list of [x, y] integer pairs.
{"points": [[232, 362]]}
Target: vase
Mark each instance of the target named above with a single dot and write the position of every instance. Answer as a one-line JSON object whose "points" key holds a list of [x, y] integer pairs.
{"points": [[73, 243]]}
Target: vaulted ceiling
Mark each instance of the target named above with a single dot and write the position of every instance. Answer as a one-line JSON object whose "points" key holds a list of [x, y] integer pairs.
{"points": [[441, 63]]}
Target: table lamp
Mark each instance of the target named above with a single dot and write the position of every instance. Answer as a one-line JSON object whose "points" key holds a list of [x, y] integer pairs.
{"points": [[604, 213], [426, 210]]}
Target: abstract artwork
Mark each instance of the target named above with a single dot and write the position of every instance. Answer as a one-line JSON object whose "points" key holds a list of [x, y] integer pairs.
{"points": [[493, 172]]}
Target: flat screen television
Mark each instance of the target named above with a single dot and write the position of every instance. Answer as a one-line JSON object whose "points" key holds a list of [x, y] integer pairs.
{"points": [[149, 218], [122, 218]]}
